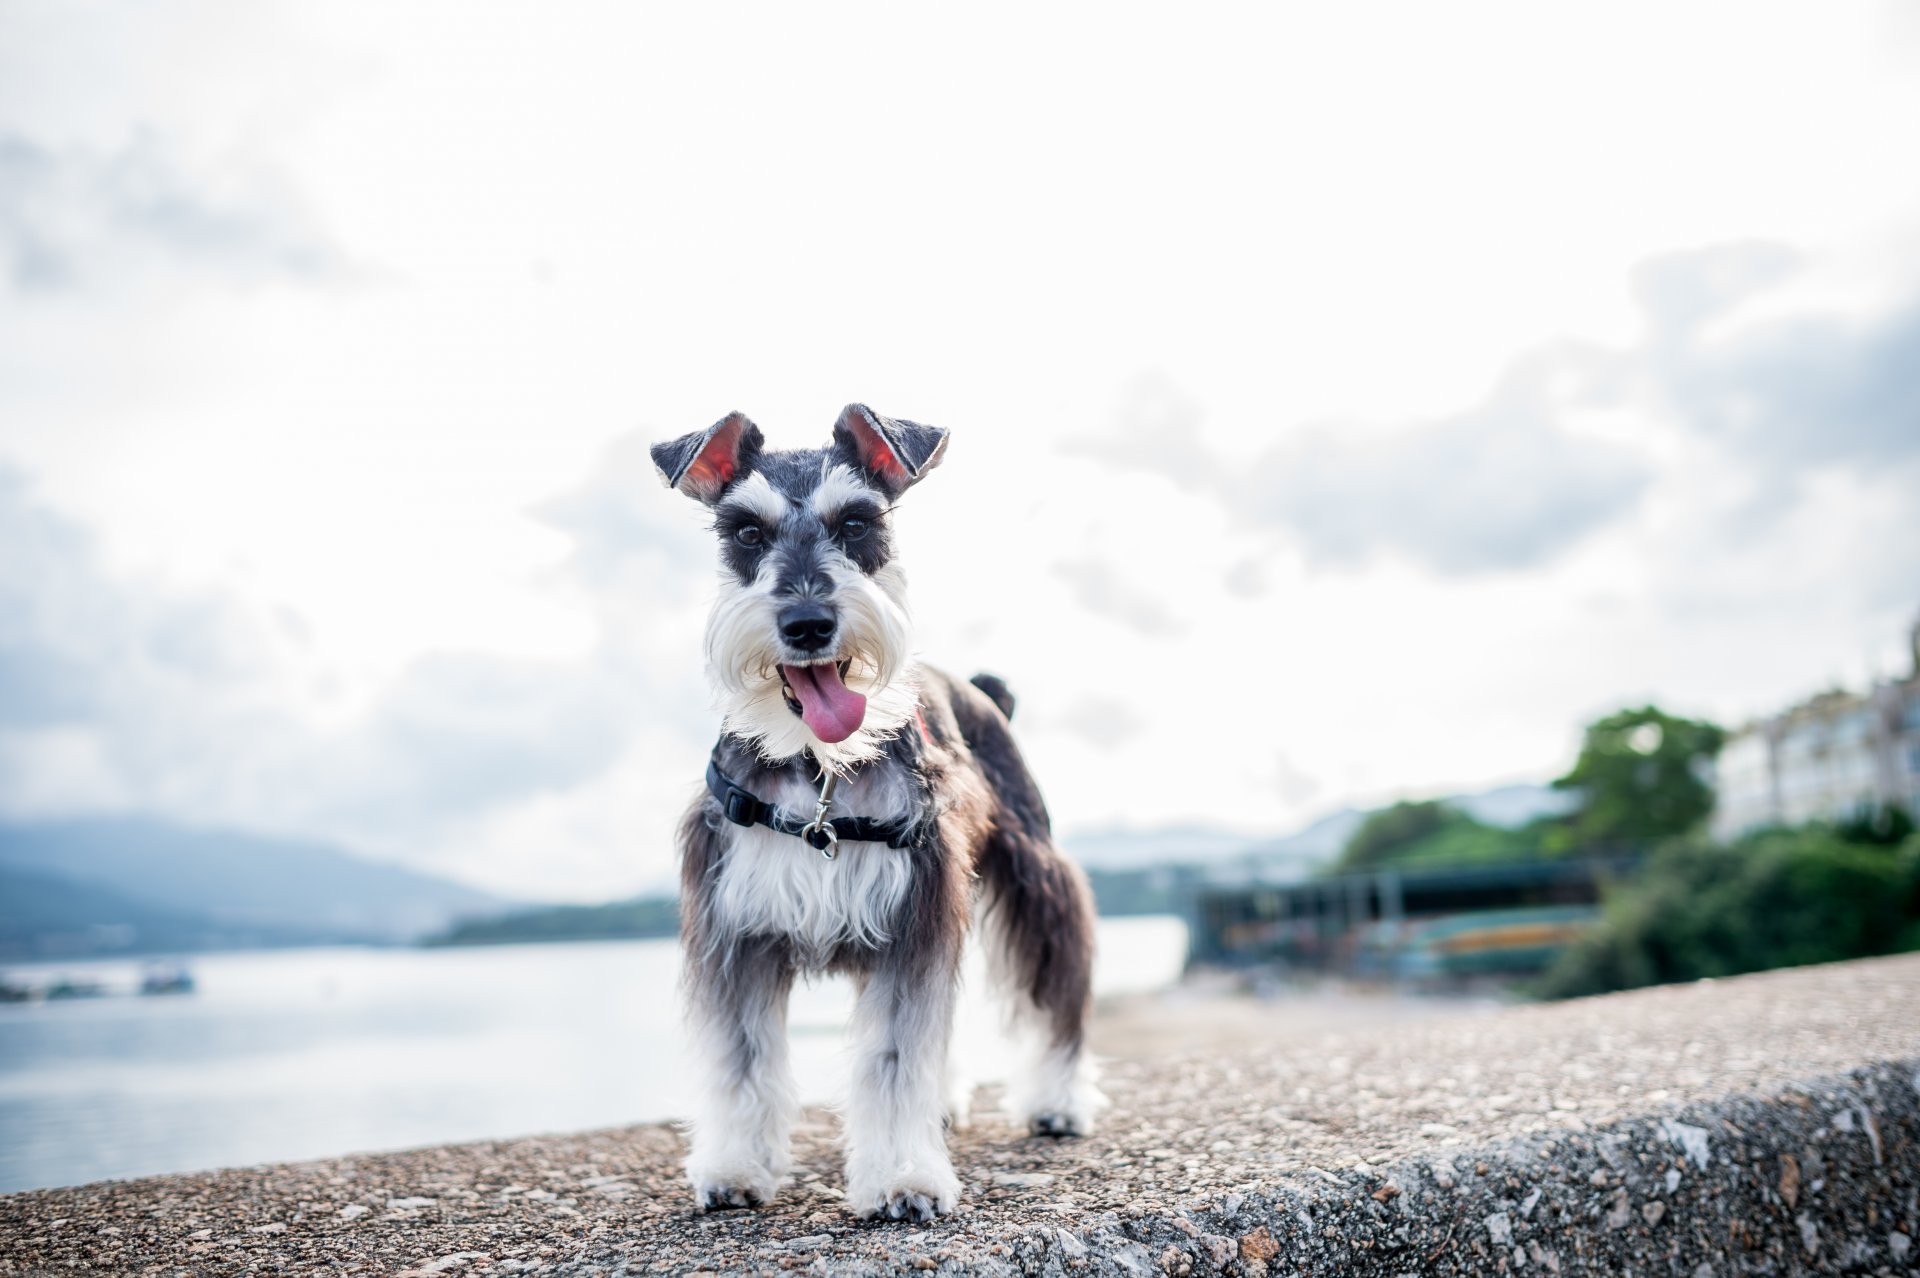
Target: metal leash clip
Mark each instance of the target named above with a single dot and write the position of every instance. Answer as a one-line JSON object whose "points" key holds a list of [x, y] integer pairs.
{"points": [[819, 832]]}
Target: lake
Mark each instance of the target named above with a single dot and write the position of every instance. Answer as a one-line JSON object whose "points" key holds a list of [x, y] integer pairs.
{"points": [[294, 1054]]}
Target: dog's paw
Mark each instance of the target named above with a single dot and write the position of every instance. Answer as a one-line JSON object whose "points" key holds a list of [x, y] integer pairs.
{"points": [[717, 1189], [1058, 1101], [917, 1198], [1068, 1115], [918, 1208], [726, 1197], [1056, 1124]]}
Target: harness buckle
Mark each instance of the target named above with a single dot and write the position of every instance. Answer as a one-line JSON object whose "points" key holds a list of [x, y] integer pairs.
{"points": [[740, 807]]}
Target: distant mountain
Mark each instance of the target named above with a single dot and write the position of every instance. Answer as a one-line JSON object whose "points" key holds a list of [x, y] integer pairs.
{"points": [[649, 917], [1512, 806], [242, 883], [1302, 851], [1127, 849], [45, 916], [1312, 845]]}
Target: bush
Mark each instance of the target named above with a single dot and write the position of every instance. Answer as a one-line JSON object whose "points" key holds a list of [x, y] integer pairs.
{"points": [[1778, 898], [1877, 824]]}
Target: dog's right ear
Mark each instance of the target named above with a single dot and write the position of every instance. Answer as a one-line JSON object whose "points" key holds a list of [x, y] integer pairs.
{"points": [[702, 464]]}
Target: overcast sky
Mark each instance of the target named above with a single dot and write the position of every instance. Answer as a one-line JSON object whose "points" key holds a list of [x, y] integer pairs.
{"points": [[1347, 401]]}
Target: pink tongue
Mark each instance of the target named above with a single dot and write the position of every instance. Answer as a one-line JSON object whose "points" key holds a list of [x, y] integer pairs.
{"points": [[828, 707]]}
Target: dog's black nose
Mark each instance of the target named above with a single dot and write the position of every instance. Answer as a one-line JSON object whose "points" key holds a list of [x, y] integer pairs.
{"points": [[808, 626]]}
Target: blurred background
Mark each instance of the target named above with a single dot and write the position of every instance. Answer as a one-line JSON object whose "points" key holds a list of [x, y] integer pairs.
{"points": [[1443, 483]]}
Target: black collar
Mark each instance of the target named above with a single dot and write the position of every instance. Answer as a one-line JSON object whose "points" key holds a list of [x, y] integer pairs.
{"points": [[742, 807]]}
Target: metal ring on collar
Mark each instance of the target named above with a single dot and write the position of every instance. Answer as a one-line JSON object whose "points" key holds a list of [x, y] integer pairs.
{"points": [[822, 837]]}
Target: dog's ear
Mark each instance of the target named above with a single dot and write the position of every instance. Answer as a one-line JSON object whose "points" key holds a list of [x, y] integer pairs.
{"points": [[894, 454], [702, 464]]}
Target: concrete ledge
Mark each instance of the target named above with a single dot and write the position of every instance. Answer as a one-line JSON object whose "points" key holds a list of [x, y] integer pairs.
{"points": [[1769, 1124]]}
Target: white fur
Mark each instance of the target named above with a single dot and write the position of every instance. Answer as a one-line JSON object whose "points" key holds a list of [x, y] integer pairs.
{"points": [[742, 1131], [743, 660], [896, 1146], [1049, 1081], [839, 486], [958, 1089], [1053, 1082], [759, 498], [773, 883]]}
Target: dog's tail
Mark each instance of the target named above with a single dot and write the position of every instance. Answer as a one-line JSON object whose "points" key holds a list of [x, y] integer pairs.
{"points": [[997, 691]]}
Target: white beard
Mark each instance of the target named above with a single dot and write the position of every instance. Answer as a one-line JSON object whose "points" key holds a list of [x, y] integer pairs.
{"points": [[743, 664]]}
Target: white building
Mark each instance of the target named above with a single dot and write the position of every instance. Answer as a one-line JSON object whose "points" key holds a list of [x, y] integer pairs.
{"points": [[1824, 760]]}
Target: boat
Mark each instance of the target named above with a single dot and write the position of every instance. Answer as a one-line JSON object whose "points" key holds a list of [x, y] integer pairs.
{"points": [[166, 978]]}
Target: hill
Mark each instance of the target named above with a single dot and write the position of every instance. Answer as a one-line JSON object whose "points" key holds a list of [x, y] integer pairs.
{"points": [[45, 916], [177, 881], [643, 917], [1303, 851], [1127, 848]]}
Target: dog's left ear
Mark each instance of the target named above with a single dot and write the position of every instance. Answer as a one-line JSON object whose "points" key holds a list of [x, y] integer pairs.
{"points": [[702, 464], [894, 454]]}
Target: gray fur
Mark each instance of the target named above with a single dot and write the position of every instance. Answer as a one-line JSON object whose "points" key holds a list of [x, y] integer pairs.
{"points": [[981, 842]]}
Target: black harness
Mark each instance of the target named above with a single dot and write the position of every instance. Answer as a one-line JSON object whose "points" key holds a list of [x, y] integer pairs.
{"points": [[742, 807]]}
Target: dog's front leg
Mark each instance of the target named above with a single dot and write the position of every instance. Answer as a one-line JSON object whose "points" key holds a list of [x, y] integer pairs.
{"points": [[897, 1162], [737, 1011]]}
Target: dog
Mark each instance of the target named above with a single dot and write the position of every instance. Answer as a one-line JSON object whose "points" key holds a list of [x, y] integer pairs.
{"points": [[861, 812]]}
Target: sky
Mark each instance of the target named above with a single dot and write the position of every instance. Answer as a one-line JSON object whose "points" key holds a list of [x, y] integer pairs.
{"points": [[1347, 402]]}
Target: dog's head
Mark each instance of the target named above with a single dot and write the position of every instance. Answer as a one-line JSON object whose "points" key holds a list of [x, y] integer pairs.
{"points": [[809, 638]]}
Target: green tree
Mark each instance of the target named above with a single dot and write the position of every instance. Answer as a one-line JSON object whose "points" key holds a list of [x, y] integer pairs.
{"points": [[1641, 776], [1468, 842], [1428, 832], [1389, 832]]}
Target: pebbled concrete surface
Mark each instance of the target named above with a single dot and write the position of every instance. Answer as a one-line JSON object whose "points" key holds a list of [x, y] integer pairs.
{"points": [[1766, 1125]]}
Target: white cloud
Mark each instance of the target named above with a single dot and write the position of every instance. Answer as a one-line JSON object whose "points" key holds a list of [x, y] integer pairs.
{"points": [[1104, 589], [76, 219], [1771, 400], [1104, 723], [341, 572], [116, 694], [1501, 486]]}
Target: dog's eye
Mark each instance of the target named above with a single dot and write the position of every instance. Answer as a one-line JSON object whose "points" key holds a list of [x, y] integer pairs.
{"points": [[852, 529], [750, 535]]}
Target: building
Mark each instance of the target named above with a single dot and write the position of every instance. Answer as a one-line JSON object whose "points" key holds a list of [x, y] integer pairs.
{"points": [[1419, 923], [1828, 758]]}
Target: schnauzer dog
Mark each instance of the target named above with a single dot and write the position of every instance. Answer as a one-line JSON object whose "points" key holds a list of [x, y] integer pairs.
{"points": [[861, 811]]}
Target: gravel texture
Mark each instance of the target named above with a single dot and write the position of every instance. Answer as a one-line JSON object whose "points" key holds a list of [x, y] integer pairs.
{"points": [[1769, 1124]]}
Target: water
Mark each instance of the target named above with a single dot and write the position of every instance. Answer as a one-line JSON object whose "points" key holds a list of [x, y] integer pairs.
{"points": [[307, 1053]]}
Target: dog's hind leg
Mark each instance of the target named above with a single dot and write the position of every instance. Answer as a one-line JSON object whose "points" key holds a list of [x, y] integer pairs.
{"points": [[737, 1011], [1037, 928], [957, 1087]]}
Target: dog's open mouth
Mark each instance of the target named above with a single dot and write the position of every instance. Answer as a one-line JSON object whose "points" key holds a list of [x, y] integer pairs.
{"points": [[819, 695]]}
